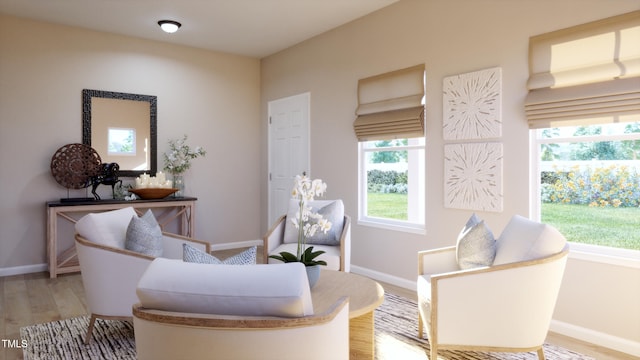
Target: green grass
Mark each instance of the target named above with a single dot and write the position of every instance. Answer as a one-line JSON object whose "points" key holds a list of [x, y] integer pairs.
{"points": [[614, 227], [388, 206]]}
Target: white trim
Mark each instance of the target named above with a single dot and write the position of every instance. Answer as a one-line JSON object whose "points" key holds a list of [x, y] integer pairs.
{"points": [[605, 255], [28, 269], [596, 337], [394, 226], [24, 269], [236, 245], [380, 276]]}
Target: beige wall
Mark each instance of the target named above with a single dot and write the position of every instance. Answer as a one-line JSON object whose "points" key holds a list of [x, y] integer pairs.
{"points": [[211, 97], [450, 37]]}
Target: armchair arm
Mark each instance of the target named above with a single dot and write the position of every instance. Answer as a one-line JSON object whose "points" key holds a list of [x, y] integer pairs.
{"points": [[437, 261], [345, 245], [274, 237]]}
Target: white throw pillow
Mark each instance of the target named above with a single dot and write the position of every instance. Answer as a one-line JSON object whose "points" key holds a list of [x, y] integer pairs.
{"points": [[107, 228], [331, 210], [259, 290], [144, 235], [476, 246], [523, 239]]}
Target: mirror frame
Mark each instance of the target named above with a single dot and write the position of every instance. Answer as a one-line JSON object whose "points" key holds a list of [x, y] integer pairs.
{"points": [[88, 94]]}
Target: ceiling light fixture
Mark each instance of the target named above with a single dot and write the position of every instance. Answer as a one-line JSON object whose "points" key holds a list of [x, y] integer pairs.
{"points": [[169, 26]]}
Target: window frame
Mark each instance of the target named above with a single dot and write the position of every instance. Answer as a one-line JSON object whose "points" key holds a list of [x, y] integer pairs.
{"points": [[385, 223], [587, 252]]}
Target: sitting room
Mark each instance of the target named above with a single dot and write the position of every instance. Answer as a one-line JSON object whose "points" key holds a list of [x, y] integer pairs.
{"points": [[429, 123]]}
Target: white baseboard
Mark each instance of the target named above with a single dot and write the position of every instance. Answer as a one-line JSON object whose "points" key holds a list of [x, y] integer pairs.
{"points": [[595, 337], [573, 331], [25, 269], [376, 275], [235, 245]]}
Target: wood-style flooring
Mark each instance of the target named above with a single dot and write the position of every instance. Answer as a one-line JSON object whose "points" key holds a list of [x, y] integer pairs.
{"points": [[35, 298]]}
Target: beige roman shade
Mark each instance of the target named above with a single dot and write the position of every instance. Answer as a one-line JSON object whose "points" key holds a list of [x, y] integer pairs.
{"points": [[586, 72], [390, 105]]}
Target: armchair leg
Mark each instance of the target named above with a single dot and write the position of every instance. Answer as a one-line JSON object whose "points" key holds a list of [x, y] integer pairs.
{"points": [[92, 323], [420, 326], [434, 351], [541, 354]]}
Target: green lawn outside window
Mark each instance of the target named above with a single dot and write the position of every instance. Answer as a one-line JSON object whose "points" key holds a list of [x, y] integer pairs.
{"points": [[609, 226]]}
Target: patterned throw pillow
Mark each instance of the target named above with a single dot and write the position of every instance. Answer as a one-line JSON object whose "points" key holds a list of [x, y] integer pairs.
{"points": [[476, 246], [195, 255], [144, 235]]}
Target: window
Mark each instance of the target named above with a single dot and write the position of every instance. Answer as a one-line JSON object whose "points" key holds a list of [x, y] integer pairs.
{"points": [[392, 183], [122, 141], [583, 108], [390, 130], [589, 182]]}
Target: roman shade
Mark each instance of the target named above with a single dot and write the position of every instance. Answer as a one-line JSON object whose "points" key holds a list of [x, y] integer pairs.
{"points": [[590, 73], [391, 105]]}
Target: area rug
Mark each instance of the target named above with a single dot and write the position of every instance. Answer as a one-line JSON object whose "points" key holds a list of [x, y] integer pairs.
{"points": [[64, 339], [395, 323]]}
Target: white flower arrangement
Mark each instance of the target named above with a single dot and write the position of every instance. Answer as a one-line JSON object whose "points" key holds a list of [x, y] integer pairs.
{"points": [[178, 159], [306, 221]]}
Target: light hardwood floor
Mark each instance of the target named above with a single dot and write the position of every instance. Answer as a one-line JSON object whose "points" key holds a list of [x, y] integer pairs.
{"points": [[35, 298]]}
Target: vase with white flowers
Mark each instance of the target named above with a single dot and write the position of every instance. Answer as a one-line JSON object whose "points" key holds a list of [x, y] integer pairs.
{"points": [[178, 159], [307, 223]]}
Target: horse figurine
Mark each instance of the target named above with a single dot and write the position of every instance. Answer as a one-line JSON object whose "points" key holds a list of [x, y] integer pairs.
{"points": [[108, 175]]}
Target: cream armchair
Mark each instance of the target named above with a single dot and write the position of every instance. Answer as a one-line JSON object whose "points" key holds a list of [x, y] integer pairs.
{"points": [[109, 272], [505, 307], [338, 256], [203, 311]]}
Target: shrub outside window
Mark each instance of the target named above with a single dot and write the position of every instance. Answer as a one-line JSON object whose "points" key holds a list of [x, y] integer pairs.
{"points": [[589, 183], [392, 184]]}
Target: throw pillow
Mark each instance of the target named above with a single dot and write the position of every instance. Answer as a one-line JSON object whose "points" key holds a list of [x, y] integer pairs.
{"points": [[108, 228], [144, 235], [524, 239], [331, 210], [195, 255], [476, 246]]}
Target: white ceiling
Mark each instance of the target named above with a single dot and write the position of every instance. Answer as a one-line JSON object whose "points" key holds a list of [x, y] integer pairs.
{"points": [[255, 28]]}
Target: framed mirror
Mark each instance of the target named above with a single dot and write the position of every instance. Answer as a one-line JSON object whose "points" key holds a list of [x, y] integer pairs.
{"points": [[122, 128]]}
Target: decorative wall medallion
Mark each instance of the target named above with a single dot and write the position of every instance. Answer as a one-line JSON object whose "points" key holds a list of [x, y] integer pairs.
{"points": [[471, 105], [473, 176]]}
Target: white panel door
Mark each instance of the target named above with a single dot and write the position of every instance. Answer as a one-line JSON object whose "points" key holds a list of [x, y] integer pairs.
{"points": [[288, 149]]}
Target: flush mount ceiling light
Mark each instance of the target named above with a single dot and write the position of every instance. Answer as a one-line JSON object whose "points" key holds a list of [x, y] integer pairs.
{"points": [[169, 26]]}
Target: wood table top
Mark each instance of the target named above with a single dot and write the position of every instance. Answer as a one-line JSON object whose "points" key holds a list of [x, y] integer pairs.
{"points": [[364, 294]]}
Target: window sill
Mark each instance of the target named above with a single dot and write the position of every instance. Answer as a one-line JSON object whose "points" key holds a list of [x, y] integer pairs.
{"points": [[605, 255], [393, 226]]}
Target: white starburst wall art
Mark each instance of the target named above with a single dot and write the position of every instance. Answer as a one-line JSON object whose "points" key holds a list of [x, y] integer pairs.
{"points": [[472, 105], [473, 176]]}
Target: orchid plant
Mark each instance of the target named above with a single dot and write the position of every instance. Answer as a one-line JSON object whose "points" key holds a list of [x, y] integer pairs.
{"points": [[306, 221], [178, 159]]}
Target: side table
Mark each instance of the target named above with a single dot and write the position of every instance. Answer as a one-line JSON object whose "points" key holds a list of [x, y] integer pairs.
{"points": [[365, 295], [180, 210]]}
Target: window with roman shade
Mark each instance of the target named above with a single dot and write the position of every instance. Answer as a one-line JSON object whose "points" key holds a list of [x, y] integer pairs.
{"points": [[585, 74], [391, 105]]}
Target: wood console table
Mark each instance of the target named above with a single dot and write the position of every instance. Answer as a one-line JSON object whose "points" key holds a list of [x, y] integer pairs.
{"points": [[180, 210]]}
